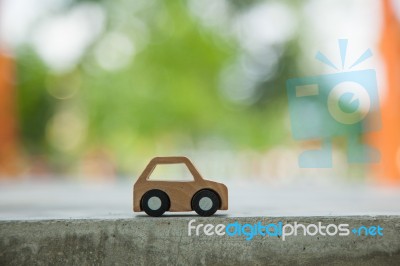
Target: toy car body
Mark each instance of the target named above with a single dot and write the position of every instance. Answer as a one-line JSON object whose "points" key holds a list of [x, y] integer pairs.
{"points": [[155, 196]]}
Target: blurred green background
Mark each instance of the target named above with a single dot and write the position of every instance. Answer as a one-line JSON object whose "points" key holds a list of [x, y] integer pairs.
{"points": [[103, 86]]}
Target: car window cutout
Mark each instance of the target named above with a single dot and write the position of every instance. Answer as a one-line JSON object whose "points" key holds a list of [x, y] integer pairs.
{"points": [[171, 172]]}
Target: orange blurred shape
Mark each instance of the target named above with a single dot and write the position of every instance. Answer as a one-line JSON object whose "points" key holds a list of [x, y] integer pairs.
{"points": [[98, 165], [387, 140], [8, 130]]}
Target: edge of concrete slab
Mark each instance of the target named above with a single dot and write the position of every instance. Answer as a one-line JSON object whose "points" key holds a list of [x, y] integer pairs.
{"points": [[146, 240]]}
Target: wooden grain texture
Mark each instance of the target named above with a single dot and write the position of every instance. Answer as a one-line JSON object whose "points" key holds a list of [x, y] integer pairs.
{"points": [[180, 193]]}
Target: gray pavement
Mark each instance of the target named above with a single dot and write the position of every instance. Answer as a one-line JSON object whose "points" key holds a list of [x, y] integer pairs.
{"points": [[72, 200], [82, 223]]}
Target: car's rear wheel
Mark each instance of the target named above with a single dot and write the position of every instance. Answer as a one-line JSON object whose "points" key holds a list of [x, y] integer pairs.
{"points": [[206, 202], [155, 202]]}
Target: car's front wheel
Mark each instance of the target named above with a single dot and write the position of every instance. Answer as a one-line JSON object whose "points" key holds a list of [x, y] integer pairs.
{"points": [[205, 202], [155, 202]]}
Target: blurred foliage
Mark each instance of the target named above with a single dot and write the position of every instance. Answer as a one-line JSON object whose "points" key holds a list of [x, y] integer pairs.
{"points": [[35, 105], [166, 98]]}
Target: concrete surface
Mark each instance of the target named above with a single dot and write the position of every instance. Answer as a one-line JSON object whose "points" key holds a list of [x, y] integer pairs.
{"points": [[87, 224], [69, 200], [164, 241]]}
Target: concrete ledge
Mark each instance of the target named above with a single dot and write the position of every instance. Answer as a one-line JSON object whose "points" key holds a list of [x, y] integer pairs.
{"points": [[153, 241]]}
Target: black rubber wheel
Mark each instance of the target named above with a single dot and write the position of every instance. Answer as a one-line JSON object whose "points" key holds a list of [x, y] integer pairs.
{"points": [[155, 202], [205, 202]]}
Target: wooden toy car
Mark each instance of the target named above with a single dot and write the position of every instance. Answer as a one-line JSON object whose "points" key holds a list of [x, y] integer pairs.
{"points": [[155, 197]]}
